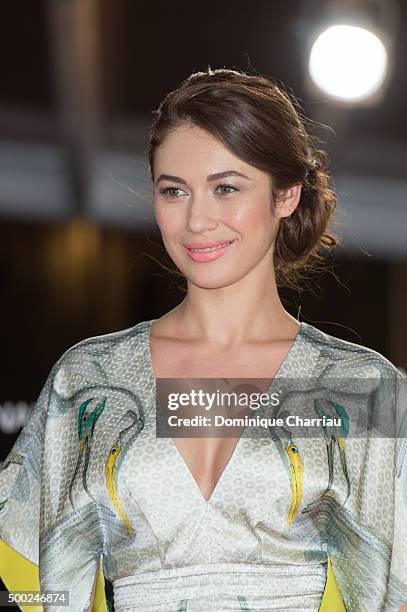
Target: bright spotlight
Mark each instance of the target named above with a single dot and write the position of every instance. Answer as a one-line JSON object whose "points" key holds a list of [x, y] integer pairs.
{"points": [[347, 62]]}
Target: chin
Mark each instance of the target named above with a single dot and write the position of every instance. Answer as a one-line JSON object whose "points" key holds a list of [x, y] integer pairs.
{"points": [[212, 279], [202, 284]]}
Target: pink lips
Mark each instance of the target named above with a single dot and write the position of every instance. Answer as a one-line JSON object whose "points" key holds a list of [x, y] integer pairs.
{"points": [[204, 245], [208, 255]]}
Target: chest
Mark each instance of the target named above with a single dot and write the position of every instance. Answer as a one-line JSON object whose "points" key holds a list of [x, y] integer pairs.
{"points": [[206, 458]]}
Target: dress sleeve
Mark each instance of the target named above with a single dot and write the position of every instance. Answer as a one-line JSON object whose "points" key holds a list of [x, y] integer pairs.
{"points": [[43, 546], [397, 583]]}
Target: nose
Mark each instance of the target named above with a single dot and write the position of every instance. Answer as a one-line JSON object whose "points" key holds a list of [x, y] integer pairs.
{"points": [[201, 216]]}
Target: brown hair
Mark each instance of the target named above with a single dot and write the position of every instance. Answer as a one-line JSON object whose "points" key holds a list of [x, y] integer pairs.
{"points": [[264, 127]]}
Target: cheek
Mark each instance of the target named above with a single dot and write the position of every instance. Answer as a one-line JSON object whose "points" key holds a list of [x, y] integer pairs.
{"points": [[167, 220], [253, 216]]}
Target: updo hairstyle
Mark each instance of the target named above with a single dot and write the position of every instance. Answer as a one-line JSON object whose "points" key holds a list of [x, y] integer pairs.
{"points": [[263, 126]]}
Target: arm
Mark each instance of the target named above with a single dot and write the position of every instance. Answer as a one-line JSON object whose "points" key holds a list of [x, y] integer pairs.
{"points": [[20, 502], [71, 536], [397, 585], [43, 541]]}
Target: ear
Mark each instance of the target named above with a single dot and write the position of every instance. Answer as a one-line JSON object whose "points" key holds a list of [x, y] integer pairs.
{"points": [[288, 201]]}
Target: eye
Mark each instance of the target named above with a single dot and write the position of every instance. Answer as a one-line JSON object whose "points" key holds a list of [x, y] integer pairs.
{"points": [[224, 186], [169, 191]]}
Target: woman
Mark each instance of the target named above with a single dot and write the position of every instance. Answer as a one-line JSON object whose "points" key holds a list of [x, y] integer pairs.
{"points": [[270, 519]]}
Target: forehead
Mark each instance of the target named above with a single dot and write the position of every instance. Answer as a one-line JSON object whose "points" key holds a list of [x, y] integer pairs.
{"points": [[188, 147]]}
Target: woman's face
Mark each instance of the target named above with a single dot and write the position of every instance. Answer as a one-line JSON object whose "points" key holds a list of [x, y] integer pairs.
{"points": [[203, 193]]}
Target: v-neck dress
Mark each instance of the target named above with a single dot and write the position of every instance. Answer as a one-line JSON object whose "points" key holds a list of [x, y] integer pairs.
{"points": [[90, 493]]}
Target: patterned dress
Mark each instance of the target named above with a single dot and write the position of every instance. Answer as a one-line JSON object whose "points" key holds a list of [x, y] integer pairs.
{"points": [[90, 496]]}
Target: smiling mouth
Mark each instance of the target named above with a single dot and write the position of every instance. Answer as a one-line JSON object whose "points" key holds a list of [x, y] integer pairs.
{"points": [[209, 249]]}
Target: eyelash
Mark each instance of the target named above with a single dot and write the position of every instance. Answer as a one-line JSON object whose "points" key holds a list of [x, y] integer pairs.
{"points": [[166, 190]]}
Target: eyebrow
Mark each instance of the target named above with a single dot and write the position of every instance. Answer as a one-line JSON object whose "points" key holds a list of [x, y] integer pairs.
{"points": [[210, 177]]}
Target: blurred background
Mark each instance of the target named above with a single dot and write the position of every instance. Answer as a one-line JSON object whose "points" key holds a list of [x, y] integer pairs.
{"points": [[80, 253]]}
